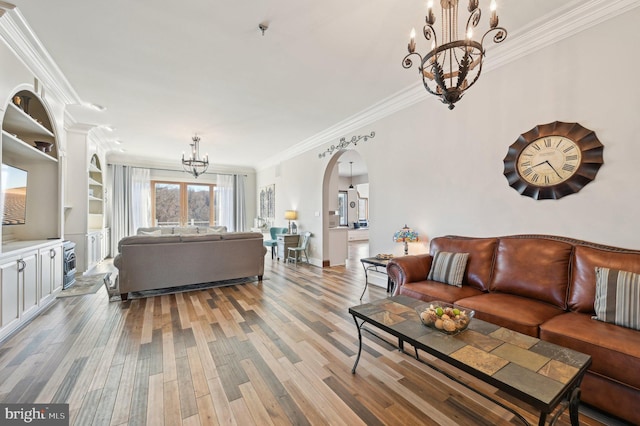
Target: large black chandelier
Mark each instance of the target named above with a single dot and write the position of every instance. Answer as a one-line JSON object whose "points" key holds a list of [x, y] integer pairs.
{"points": [[194, 164], [454, 65]]}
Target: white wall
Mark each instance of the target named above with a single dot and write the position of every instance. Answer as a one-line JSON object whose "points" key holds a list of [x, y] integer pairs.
{"points": [[441, 171], [298, 186]]}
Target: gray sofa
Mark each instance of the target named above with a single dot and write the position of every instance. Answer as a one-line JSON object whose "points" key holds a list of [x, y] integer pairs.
{"points": [[152, 261]]}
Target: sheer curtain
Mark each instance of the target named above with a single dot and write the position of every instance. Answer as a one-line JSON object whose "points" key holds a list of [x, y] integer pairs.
{"points": [[240, 209], [224, 203], [131, 202], [230, 204], [140, 198]]}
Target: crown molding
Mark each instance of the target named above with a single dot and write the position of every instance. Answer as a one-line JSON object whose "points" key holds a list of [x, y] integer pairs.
{"points": [[23, 42], [573, 18]]}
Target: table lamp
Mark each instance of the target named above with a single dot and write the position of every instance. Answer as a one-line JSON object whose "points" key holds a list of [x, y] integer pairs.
{"points": [[290, 215], [405, 235]]}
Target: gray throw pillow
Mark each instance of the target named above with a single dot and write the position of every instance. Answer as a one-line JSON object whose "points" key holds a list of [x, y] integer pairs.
{"points": [[617, 297], [448, 267]]}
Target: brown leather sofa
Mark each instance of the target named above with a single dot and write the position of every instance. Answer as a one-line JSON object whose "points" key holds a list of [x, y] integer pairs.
{"points": [[543, 286]]}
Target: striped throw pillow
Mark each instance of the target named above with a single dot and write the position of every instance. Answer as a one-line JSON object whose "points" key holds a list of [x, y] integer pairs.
{"points": [[448, 267], [617, 297]]}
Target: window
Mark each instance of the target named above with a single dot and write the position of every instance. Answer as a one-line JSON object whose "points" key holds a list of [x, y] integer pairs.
{"points": [[342, 207], [182, 204], [363, 209]]}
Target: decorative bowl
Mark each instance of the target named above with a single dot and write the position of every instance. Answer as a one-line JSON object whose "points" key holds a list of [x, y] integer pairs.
{"points": [[444, 317], [43, 146], [384, 256]]}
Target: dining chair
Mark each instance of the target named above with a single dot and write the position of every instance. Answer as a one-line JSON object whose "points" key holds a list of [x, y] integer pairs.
{"points": [[298, 251], [274, 231]]}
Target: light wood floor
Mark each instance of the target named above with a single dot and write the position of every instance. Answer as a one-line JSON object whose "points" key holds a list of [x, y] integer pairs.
{"points": [[279, 352]]}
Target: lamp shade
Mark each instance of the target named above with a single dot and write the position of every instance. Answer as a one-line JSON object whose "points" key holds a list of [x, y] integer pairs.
{"points": [[406, 234], [290, 215]]}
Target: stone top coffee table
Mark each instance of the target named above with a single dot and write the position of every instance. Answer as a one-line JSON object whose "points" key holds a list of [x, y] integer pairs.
{"points": [[539, 373]]}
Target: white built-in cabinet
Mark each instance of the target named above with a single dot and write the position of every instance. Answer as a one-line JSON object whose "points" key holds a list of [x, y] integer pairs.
{"points": [[84, 215], [51, 271], [97, 250], [94, 245], [31, 252], [96, 194]]}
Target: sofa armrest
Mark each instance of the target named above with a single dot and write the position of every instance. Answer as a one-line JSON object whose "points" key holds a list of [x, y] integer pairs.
{"points": [[408, 269]]}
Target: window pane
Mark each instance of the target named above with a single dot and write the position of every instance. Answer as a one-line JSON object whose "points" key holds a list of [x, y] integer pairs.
{"points": [[363, 209], [198, 205], [219, 195], [167, 204], [342, 207]]}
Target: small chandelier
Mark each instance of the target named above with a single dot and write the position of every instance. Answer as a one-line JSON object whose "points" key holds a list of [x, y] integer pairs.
{"points": [[453, 66], [194, 164]]}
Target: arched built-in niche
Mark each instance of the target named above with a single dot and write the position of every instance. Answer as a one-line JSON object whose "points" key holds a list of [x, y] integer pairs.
{"points": [[96, 194], [29, 143]]}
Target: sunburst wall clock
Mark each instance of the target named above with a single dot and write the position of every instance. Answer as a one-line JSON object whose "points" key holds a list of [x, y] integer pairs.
{"points": [[553, 160]]}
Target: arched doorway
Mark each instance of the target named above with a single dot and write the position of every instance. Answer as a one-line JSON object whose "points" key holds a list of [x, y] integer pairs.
{"points": [[345, 192]]}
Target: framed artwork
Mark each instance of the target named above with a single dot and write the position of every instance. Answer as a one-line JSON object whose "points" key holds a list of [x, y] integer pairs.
{"points": [[268, 202]]}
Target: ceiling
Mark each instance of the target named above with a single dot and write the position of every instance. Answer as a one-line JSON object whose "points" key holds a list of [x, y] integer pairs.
{"points": [[167, 70]]}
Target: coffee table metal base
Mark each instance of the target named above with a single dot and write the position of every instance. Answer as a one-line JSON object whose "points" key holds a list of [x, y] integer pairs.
{"points": [[571, 401], [372, 264]]}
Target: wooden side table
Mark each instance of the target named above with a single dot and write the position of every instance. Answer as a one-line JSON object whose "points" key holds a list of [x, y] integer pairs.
{"points": [[284, 242], [372, 264]]}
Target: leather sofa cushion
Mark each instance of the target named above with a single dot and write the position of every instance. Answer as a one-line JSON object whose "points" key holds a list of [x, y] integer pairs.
{"points": [[433, 290], [536, 268], [513, 312], [481, 251], [582, 290], [614, 350]]}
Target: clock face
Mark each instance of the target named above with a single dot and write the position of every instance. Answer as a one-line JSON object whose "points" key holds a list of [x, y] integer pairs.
{"points": [[553, 160], [549, 160]]}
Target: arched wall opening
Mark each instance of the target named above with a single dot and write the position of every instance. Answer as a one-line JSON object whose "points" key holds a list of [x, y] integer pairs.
{"points": [[345, 173]]}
